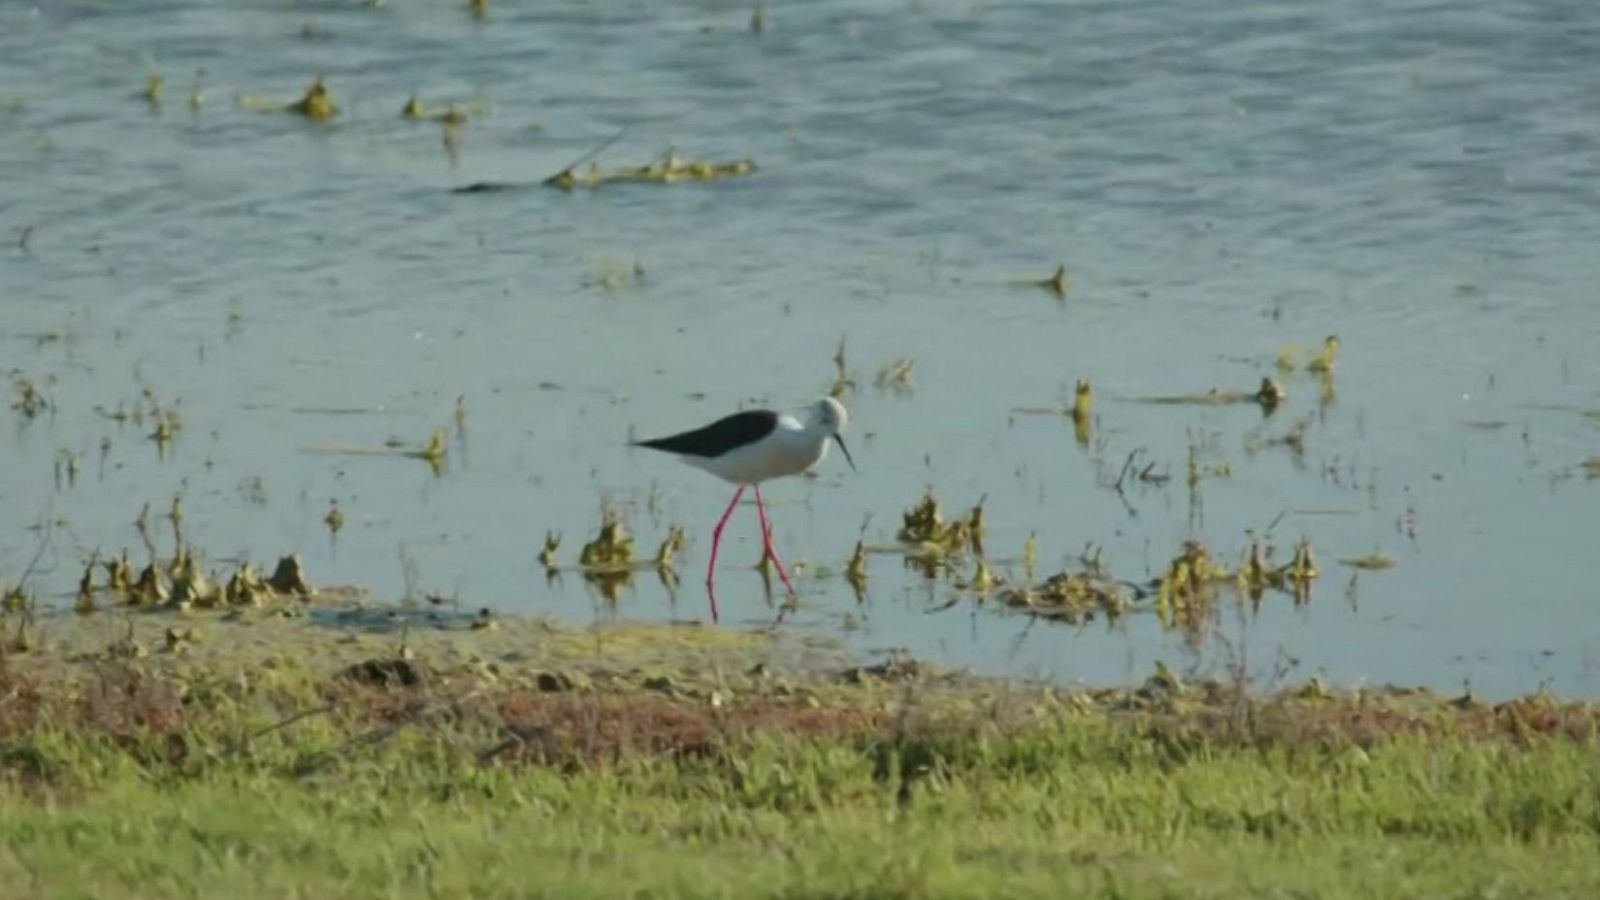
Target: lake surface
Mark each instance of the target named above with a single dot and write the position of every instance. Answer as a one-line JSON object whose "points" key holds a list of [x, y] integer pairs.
{"points": [[1220, 179]]}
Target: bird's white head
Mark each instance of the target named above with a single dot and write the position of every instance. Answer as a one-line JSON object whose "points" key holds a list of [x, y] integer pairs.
{"points": [[828, 415]]}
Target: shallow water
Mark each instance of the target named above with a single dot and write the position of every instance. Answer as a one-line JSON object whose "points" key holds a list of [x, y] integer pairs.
{"points": [[1219, 178]]}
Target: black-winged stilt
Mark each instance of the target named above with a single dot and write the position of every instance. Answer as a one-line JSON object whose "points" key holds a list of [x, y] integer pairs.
{"points": [[753, 446]]}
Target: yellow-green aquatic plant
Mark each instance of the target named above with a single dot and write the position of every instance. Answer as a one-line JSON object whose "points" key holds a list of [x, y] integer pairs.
{"points": [[895, 375], [670, 547], [552, 543], [1057, 283], [334, 519], [316, 104], [844, 380], [611, 549], [119, 573], [1072, 597], [855, 570], [1330, 352], [670, 170], [1372, 561]]}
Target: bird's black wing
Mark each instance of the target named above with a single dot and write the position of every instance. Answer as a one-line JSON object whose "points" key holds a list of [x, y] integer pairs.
{"points": [[727, 433]]}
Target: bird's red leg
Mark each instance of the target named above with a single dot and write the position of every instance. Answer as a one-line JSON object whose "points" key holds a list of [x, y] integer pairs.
{"points": [[766, 542], [716, 541]]}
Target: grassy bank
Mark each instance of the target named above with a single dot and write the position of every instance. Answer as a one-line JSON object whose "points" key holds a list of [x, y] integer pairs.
{"points": [[290, 758]]}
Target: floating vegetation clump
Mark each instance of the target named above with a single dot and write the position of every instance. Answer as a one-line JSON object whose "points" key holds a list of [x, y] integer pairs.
{"points": [[1073, 597], [162, 435], [923, 522], [1057, 283], [154, 83], [607, 560], [1083, 413], [1289, 356], [1258, 572], [416, 110], [855, 570], [924, 525], [552, 542], [671, 547], [1294, 440], [184, 585], [895, 376], [1186, 592], [983, 579], [672, 169], [1082, 402], [1322, 364], [165, 420], [931, 543], [1371, 562], [1330, 352], [1184, 597], [1269, 395], [29, 401], [315, 104], [547, 555], [334, 519], [611, 275], [434, 452], [611, 549]]}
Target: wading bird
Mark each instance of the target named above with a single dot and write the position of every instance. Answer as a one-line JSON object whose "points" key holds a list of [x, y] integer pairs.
{"points": [[753, 446]]}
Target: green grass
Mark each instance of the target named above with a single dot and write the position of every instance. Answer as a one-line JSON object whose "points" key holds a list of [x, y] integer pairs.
{"points": [[1080, 808], [111, 786]]}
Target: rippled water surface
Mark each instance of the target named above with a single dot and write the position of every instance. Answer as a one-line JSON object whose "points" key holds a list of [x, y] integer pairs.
{"points": [[1220, 179]]}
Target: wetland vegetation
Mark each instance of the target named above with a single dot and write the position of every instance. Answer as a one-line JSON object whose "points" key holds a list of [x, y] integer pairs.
{"points": [[1226, 401]]}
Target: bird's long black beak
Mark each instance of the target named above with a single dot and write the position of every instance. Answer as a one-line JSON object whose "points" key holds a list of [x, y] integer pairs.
{"points": [[846, 450]]}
